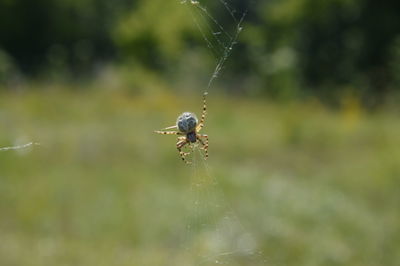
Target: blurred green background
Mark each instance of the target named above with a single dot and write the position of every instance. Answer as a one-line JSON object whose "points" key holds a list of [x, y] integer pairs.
{"points": [[303, 123]]}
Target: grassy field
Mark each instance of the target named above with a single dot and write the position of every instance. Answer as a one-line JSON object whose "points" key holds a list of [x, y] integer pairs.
{"points": [[311, 185]]}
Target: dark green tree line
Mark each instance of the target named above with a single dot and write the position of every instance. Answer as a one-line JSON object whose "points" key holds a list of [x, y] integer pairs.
{"points": [[288, 47]]}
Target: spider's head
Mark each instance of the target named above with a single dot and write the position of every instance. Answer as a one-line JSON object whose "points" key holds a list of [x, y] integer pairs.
{"points": [[191, 137], [187, 122]]}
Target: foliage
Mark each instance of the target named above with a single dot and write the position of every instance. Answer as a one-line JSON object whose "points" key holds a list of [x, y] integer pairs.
{"points": [[58, 33], [289, 48], [153, 37], [326, 47]]}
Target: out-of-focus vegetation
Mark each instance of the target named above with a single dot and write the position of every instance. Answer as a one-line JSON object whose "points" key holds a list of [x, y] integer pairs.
{"points": [[90, 81], [289, 48], [314, 187]]}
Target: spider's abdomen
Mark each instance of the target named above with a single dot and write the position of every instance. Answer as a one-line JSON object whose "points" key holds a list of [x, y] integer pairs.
{"points": [[187, 122]]}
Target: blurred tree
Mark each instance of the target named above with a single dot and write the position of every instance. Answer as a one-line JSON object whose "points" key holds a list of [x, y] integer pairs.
{"points": [[160, 44], [326, 47], [154, 33], [58, 32], [288, 48]]}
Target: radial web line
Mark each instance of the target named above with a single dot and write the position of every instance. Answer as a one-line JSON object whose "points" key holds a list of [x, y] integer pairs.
{"points": [[227, 52], [227, 48], [237, 227], [207, 199], [221, 44], [215, 37], [214, 20], [231, 12], [208, 42]]}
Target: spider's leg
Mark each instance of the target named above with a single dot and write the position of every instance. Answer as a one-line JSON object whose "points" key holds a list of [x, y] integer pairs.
{"points": [[180, 140], [167, 132], [171, 127], [204, 143], [179, 146], [203, 114]]}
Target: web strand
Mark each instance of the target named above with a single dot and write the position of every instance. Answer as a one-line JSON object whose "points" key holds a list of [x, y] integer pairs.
{"points": [[227, 7], [213, 20], [215, 233], [210, 29], [208, 42], [18, 147], [221, 48], [227, 52]]}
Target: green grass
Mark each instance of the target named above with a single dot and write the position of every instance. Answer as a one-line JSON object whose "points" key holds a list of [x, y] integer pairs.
{"points": [[313, 186]]}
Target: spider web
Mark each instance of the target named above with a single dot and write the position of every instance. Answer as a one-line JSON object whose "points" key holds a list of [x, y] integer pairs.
{"points": [[214, 235], [218, 39]]}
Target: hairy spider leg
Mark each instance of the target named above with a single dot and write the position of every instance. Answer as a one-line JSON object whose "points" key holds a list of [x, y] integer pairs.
{"points": [[183, 139], [168, 132], [171, 127], [203, 114], [182, 142], [204, 143]]}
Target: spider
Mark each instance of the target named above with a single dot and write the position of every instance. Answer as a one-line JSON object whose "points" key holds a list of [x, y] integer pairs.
{"points": [[188, 128]]}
